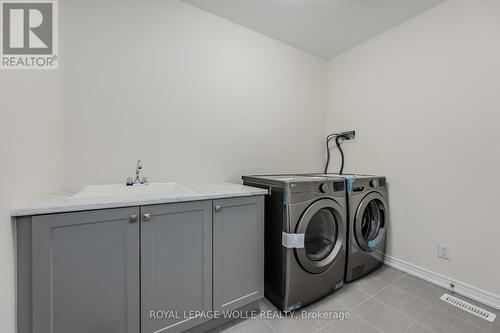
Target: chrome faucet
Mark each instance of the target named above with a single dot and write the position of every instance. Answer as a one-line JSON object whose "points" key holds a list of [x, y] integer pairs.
{"points": [[138, 169], [137, 180]]}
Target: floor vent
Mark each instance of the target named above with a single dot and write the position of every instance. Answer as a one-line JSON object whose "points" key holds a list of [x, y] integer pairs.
{"points": [[475, 310]]}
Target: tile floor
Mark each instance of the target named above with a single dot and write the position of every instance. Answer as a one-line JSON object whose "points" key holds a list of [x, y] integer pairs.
{"points": [[387, 301]]}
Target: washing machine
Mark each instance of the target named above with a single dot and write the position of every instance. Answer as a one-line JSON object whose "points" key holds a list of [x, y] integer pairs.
{"points": [[368, 216], [305, 237]]}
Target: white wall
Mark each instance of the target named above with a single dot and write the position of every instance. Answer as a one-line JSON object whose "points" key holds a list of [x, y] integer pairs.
{"points": [[31, 165], [196, 97], [425, 99]]}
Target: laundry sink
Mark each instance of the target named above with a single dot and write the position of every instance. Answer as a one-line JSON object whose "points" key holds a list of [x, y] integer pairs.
{"points": [[120, 191]]}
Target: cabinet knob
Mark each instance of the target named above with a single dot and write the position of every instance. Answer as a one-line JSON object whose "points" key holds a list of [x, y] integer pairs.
{"points": [[148, 217], [217, 208], [132, 218]]}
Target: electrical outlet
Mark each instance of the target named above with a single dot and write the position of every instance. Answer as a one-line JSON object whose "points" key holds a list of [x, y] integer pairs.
{"points": [[352, 135], [444, 251]]}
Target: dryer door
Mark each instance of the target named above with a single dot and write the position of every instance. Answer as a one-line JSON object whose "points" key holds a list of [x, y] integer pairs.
{"points": [[370, 221], [323, 230]]}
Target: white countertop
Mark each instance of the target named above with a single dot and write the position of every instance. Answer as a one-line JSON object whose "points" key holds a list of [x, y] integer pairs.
{"points": [[63, 202]]}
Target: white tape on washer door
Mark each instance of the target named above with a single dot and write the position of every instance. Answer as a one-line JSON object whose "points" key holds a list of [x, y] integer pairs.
{"points": [[292, 241]]}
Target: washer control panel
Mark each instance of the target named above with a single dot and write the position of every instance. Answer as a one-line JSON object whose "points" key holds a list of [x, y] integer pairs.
{"points": [[323, 188]]}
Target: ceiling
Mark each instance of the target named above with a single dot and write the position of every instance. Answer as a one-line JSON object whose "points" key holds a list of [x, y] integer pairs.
{"points": [[324, 28]]}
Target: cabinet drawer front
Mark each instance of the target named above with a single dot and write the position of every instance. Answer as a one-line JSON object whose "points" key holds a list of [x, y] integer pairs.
{"points": [[238, 252], [176, 265], [86, 272]]}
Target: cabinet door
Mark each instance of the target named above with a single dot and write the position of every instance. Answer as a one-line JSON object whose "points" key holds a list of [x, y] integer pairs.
{"points": [[176, 265], [86, 272], [238, 252]]}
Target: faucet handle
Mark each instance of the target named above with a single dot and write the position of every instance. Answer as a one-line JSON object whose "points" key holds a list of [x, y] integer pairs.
{"points": [[145, 181], [130, 181]]}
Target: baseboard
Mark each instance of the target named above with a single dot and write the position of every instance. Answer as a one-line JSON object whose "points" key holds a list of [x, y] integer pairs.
{"points": [[460, 288]]}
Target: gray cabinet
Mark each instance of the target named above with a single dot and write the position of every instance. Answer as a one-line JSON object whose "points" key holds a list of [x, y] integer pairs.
{"points": [[138, 269], [85, 272], [176, 266], [238, 252]]}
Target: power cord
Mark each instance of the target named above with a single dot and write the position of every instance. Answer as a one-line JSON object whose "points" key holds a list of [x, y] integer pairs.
{"points": [[337, 142], [328, 139], [337, 138]]}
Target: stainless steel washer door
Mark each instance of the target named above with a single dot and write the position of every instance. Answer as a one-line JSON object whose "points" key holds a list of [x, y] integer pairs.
{"points": [[323, 231], [370, 223]]}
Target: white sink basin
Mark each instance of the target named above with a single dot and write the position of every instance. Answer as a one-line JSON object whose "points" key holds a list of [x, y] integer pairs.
{"points": [[120, 191]]}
